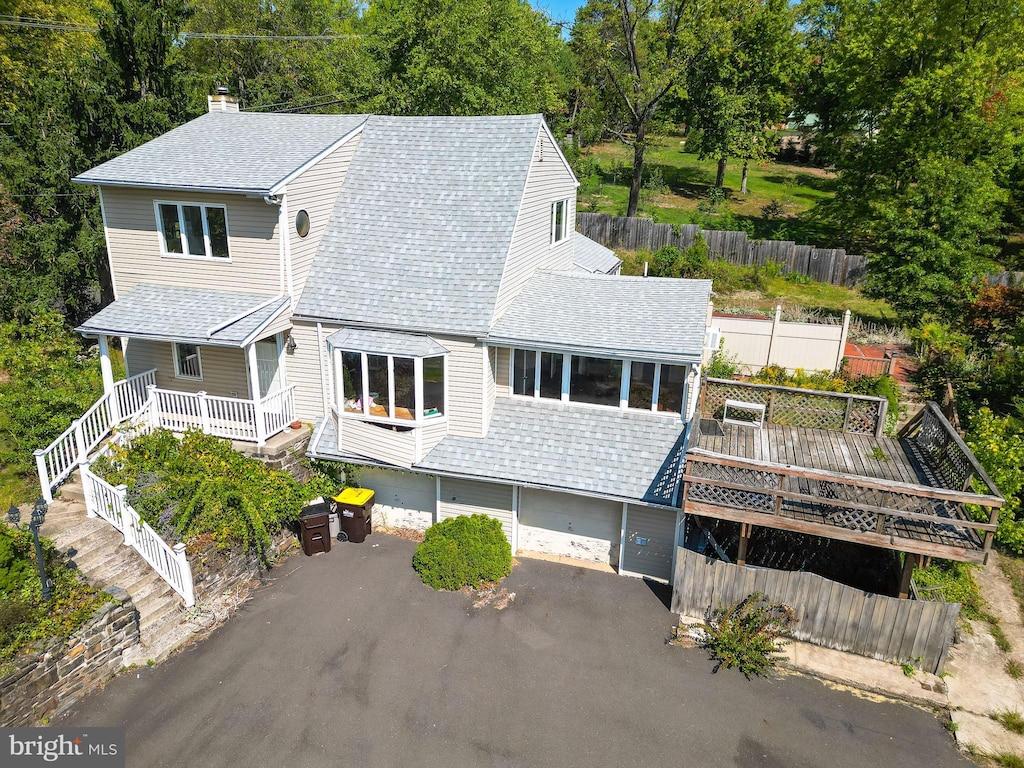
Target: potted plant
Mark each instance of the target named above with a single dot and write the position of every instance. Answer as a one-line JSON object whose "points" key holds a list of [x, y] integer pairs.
{"points": [[297, 424]]}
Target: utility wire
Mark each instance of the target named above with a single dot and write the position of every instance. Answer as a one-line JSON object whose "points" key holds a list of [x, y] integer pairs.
{"points": [[58, 26]]}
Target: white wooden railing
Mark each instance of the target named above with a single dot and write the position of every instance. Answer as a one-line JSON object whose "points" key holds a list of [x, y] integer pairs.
{"points": [[58, 460], [111, 503], [138, 398]]}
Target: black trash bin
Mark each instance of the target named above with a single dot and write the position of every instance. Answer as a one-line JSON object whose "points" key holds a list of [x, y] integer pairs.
{"points": [[315, 529], [354, 507]]}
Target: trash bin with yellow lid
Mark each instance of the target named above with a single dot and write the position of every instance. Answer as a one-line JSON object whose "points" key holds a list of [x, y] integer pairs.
{"points": [[355, 507]]}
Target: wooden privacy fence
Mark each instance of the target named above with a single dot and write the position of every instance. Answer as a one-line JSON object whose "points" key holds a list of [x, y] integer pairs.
{"points": [[829, 613], [826, 265]]}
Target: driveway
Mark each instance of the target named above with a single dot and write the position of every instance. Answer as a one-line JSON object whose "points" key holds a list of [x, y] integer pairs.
{"points": [[347, 659]]}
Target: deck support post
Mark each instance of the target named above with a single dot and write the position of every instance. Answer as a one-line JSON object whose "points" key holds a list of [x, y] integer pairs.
{"points": [[910, 561], [741, 555]]}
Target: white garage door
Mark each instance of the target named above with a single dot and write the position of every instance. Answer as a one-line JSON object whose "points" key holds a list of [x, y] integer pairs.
{"points": [[650, 544], [403, 499], [570, 526]]}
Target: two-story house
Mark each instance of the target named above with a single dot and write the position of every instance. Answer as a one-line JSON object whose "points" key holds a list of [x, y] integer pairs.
{"points": [[414, 287]]}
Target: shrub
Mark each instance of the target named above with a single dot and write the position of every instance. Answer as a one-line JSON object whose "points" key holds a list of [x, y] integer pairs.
{"points": [[998, 443], [200, 485], [463, 551], [25, 617], [749, 634], [722, 365]]}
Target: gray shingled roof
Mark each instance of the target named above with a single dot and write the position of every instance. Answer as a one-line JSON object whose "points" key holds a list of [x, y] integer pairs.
{"points": [[644, 317], [185, 314], [604, 451], [423, 223], [385, 343], [590, 256], [231, 151]]}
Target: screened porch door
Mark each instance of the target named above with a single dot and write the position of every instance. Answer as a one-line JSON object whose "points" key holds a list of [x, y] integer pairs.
{"points": [[268, 366]]}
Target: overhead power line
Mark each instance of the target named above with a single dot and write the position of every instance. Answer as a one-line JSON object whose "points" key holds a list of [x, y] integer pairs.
{"points": [[61, 26]]}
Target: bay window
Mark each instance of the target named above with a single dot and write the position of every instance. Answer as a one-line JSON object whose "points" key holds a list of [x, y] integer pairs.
{"points": [[392, 387]]}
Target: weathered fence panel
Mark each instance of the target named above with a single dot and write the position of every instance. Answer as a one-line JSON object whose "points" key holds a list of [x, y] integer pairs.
{"points": [[829, 613], [827, 265]]}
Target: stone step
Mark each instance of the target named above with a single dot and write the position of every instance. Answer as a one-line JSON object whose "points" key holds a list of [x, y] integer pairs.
{"points": [[158, 610], [72, 490]]}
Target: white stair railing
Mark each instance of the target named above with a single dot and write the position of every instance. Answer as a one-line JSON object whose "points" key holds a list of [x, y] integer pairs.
{"points": [[111, 503], [58, 460]]}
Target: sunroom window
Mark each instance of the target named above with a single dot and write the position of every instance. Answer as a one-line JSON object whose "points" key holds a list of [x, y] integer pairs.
{"points": [[188, 229], [634, 384], [537, 373], [392, 387]]}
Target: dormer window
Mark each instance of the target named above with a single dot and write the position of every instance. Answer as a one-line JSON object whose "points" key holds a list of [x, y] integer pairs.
{"points": [[559, 221], [192, 230]]}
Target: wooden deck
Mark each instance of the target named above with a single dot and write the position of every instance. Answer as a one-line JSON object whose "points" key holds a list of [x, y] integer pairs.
{"points": [[884, 458], [908, 493]]}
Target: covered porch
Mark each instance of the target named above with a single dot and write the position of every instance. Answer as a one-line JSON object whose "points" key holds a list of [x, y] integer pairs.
{"points": [[196, 359]]}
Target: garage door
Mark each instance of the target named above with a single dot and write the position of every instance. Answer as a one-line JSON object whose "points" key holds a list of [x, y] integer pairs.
{"points": [[570, 526], [650, 535], [468, 497], [403, 499]]}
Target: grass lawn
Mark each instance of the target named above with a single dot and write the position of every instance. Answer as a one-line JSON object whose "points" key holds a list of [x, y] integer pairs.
{"points": [[797, 188]]}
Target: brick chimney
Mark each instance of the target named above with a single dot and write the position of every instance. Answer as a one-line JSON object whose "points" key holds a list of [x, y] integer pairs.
{"points": [[221, 101]]}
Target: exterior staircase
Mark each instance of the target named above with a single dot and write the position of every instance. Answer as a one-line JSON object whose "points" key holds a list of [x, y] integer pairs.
{"points": [[99, 553]]}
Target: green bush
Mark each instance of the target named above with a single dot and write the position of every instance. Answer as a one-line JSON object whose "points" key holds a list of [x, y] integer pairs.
{"points": [[998, 443], [749, 634], [464, 551], [200, 485], [25, 618], [16, 559]]}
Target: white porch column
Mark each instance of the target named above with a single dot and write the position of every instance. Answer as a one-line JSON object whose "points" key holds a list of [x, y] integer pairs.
{"points": [[254, 392], [107, 372], [105, 368]]}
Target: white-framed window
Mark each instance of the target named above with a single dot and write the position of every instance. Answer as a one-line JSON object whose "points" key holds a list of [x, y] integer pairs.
{"points": [[393, 387], [193, 230], [187, 363], [559, 221], [611, 382]]}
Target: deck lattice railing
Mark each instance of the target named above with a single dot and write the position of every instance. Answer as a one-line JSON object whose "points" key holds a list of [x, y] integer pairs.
{"points": [[872, 511], [805, 408]]}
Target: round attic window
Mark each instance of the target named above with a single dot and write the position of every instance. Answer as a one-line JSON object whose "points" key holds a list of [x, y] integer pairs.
{"points": [[302, 223]]}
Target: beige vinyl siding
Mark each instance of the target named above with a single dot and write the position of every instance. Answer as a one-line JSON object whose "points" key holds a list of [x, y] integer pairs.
{"points": [[531, 248], [570, 526], [378, 441], [468, 497], [224, 370], [502, 386], [431, 434], [401, 499], [465, 385], [654, 558], [490, 372], [315, 191], [304, 370], [135, 243], [281, 323]]}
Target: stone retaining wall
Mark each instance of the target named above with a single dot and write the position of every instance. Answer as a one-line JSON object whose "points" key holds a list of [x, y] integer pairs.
{"points": [[216, 572], [51, 679]]}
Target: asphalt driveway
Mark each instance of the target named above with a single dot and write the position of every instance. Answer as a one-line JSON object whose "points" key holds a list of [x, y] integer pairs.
{"points": [[347, 659]]}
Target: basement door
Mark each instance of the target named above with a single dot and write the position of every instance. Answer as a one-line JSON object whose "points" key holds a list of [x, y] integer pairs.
{"points": [[649, 543]]}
